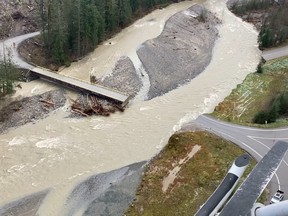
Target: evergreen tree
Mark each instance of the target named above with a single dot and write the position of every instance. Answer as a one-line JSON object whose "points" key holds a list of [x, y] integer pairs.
{"points": [[265, 38], [283, 103], [9, 74], [75, 27], [125, 12], [110, 15], [89, 27], [135, 5]]}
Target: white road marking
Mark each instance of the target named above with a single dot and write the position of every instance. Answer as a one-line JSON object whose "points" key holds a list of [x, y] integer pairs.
{"points": [[277, 178], [265, 145], [252, 149], [243, 127]]}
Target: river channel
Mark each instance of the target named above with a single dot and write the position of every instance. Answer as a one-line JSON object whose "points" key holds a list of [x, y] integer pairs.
{"points": [[58, 152]]}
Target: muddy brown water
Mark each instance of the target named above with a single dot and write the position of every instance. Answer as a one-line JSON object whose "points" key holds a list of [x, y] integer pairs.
{"points": [[59, 152]]}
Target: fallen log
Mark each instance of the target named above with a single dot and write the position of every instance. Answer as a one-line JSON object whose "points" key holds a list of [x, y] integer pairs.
{"points": [[47, 102], [80, 112], [92, 106]]}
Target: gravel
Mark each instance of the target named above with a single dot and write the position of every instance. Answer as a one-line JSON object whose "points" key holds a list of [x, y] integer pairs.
{"points": [[108, 193], [123, 78], [181, 52], [30, 109], [26, 206]]}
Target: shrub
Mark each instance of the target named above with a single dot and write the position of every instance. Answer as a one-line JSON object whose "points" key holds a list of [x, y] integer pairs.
{"points": [[279, 107], [261, 117], [259, 68], [283, 103]]}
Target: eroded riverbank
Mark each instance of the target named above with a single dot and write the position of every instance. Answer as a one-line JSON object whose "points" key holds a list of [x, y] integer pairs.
{"points": [[60, 152]]}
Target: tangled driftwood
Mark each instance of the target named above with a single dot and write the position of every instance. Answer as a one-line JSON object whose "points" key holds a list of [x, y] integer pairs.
{"points": [[93, 107]]}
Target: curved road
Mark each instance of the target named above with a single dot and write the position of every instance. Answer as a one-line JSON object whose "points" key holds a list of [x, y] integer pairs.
{"points": [[11, 45], [10, 42], [255, 141], [275, 53]]}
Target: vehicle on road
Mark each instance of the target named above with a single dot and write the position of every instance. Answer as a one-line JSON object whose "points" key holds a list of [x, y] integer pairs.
{"points": [[277, 197]]}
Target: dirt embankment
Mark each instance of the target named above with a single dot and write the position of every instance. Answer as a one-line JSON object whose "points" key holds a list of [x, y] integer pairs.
{"points": [[181, 52], [18, 17]]}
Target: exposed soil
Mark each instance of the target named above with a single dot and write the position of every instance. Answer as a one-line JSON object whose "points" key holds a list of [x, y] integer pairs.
{"points": [[193, 184], [33, 51], [18, 17]]}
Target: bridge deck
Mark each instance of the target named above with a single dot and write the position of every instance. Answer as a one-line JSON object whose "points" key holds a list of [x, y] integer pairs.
{"points": [[83, 86]]}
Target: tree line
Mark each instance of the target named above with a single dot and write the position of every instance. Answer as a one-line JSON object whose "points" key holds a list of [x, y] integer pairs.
{"points": [[72, 28], [274, 30]]}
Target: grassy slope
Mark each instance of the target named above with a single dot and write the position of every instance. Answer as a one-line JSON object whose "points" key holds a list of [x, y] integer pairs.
{"points": [[196, 181], [200, 176], [256, 93]]}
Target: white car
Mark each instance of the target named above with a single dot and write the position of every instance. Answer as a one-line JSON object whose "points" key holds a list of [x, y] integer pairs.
{"points": [[277, 197]]}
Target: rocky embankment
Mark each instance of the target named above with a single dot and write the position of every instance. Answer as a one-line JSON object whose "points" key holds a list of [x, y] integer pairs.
{"points": [[181, 52], [18, 17], [30, 109], [123, 78]]}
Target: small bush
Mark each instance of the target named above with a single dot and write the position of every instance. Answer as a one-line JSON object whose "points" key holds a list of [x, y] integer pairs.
{"points": [[259, 68], [261, 117], [279, 107], [283, 103]]}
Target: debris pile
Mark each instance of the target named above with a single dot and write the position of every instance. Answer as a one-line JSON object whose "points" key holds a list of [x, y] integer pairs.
{"points": [[93, 106]]}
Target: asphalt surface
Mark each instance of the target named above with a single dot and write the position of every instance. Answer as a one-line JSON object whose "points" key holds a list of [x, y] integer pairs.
{"points": [[244, 198], [10, 46], [255, 141], [275, 53]]}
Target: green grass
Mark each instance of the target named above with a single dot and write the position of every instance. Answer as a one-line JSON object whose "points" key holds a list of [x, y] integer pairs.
{"points": [[200, 176], [256, 93], [196, 181]]}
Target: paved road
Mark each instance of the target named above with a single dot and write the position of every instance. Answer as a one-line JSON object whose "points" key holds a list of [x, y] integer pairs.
{"points": [[275, 53], [255, 141], [11, 45]]}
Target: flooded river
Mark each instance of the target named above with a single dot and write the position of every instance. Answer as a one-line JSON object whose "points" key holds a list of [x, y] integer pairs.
{"points": [[58, 152]]}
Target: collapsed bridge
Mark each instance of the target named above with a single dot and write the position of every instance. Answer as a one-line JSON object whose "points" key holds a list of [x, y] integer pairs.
{"points": [[81, 86]]}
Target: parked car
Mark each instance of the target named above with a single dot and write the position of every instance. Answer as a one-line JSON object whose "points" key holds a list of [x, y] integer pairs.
{"points": [[277, 197]]}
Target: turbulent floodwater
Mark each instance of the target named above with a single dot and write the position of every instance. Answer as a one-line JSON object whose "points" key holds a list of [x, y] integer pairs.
{"points": [[59, 152], [102, 60]]}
